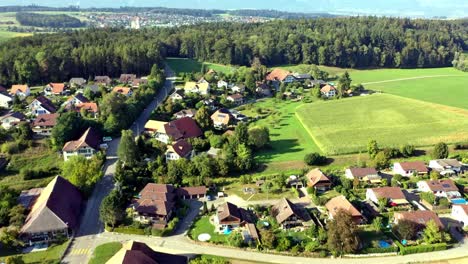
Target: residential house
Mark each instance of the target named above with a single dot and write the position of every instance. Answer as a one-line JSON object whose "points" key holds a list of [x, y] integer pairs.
{"points": [[11, 119], [240, 88], [222, 84], [77, 82], [75, 100], [140, 81], [103, 80], [394, 195], [94, 88], [179, 149], [185, 113], [202, 87], [87, 145], [250, 235], [90, 108], [127, 91], [20, 90], [155, 204], [139, 253], [127, 78], [341, 203], [278, 76], [5, 100], [363, 174], [54, 89], [420, 218], [440, 188], [410, 168], [263, 90], [222, 118], [318, 180], [302, 77], [55, 213], [188, 193], [41, 105], [178, 95], [236, 99], [288, 214], [446, 166], [229, 216], [182, 128], [44, 123], [460, 213], [329, 91]]}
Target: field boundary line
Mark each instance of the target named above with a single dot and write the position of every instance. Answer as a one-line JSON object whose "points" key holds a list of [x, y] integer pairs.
{"points": [[307, 129], [414, 78]]}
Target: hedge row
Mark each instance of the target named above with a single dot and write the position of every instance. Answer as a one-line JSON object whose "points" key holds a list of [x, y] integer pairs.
{"points": [[29, 174], [379, 250], [420, 248], [129, 230]]}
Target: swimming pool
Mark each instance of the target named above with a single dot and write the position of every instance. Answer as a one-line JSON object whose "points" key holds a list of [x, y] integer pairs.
{"points": [[458, 201]]}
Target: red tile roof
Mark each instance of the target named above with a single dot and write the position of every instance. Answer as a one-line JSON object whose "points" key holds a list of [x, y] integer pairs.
{"points": [[419, 217], [196, 190], [18, 88], [389, 192], [340, 202], [442, 185], [182, 147], [57, 88], [414, 165], [122, 90], [46, 120], [277, 75], [362, 172], [89, 107], [156, 199], [183, 128], [327, 88], [315, 176]]}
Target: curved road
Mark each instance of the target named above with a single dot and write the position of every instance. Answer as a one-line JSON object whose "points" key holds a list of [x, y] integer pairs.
{"points": [[91, 226]]}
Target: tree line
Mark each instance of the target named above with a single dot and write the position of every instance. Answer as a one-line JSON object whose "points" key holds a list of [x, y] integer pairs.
{"points": [[45, 20], [344, 42]]}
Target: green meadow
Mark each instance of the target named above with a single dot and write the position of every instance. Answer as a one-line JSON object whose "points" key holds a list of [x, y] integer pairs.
{"points": [[184, 65]]}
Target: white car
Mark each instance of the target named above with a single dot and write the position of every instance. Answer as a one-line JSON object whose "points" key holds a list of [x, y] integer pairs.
{"points": [[107, 139]]}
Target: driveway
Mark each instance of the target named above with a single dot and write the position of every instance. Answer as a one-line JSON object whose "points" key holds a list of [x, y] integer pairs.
{"points": [[91, 227]]}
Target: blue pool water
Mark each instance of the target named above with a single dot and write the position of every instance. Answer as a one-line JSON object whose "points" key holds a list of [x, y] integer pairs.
{"points": [[227, 231], [458, 201], [384, 244]]}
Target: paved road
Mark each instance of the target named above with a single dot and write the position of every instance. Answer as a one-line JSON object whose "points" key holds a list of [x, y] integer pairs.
{"points": [[90, 228]]}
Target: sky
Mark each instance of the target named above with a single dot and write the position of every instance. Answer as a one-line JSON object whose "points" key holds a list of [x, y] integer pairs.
{"points": [[411, 8]]}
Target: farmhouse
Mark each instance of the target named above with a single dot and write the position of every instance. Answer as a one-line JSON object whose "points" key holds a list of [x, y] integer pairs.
{"points": [[202, 87], [236, 99], [77, 82], [318, 180], [229, 216], [328, 91], [363, 174], [179, 149], [440, 188], [446, 166], [87, 145], [44, 123], [155, 204], [127, 78], [420, 218], [103, 80], [278, 76], [139, 253], [341, 203], [222, 118], [185, 113], [11, 119], [460, 213], [394, 195], [410, 168], [54, 89], [20, 90], [127, 91], [5, 100], [41, 105], [289, 215], [55, 212]]}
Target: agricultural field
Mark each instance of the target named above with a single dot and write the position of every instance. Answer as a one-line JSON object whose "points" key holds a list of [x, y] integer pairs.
{"points": [[184, 65], [345, 126]]}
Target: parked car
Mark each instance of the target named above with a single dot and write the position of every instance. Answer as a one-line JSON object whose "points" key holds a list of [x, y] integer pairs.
{"points": [[106, 139]]}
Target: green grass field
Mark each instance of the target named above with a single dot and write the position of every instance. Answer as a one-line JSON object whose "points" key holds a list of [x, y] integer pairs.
{"points": [[345, 126], [50, 256], [203, 226], [104, 252], [289, 139], [183, 65]]}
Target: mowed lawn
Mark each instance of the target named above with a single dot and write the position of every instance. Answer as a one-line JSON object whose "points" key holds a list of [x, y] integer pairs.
{"points": [[184, 65], [289, 140], [346, 126]]}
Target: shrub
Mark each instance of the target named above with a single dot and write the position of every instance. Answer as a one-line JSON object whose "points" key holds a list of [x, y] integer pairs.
{"points": [[129, 230], [314, 159], [10, 148], [29, 174], [379, 250], [422, 248]]}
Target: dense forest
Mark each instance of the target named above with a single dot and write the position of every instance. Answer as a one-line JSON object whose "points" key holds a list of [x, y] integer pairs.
{"points": [[44, 20], [343, 42]]}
